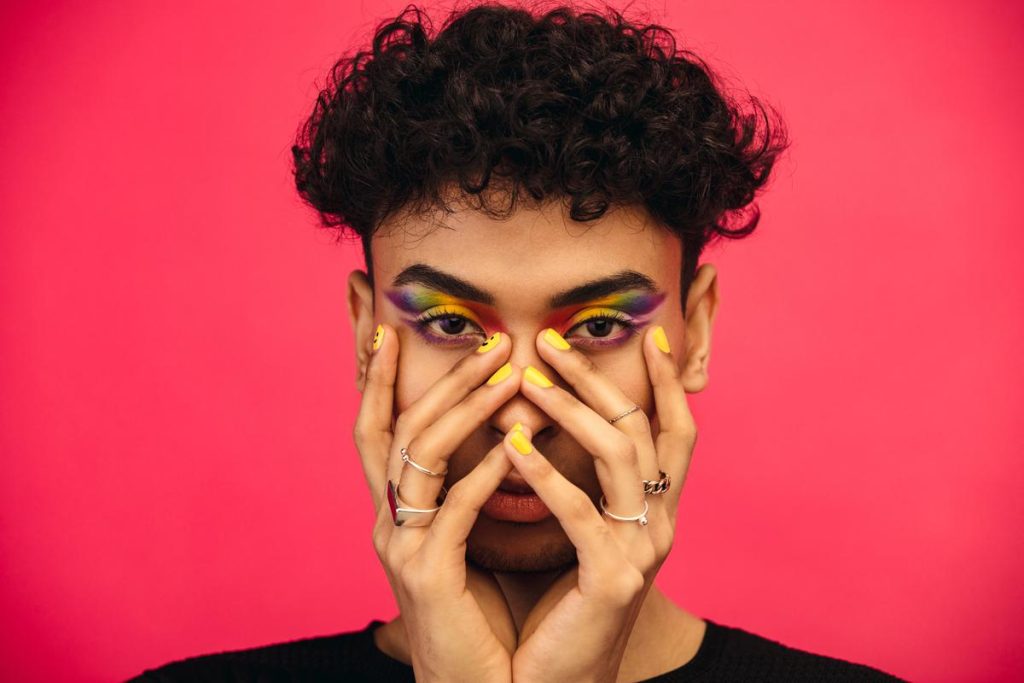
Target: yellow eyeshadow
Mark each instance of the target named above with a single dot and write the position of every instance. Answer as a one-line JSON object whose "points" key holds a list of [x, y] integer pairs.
{"points": [[449, 309], [589, 313]]}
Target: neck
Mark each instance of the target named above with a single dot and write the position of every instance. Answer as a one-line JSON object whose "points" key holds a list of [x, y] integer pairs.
{"points": [[664, 636]]}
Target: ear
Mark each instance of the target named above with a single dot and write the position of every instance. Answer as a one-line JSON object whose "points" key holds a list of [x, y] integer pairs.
{"points": [[701, 307], [360, 316]]}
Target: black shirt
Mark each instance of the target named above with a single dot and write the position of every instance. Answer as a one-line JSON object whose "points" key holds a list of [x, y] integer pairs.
{"points": [[725, 654]]}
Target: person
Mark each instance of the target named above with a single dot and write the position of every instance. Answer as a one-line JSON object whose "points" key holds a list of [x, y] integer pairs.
{"points": [[533, 191]]}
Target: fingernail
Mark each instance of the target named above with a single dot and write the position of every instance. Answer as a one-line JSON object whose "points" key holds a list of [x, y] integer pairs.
{"points": [[660, 340], [521, 443], [535, 376], [378, 337], [491, 342], [556, 340], [517, 426], [500, 374]]}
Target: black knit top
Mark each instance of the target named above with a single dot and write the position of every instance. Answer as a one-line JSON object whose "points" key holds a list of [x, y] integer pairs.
{"points": [[725, 654]]}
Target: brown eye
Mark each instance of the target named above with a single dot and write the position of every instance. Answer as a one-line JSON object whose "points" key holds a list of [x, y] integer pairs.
{"points": [[452, 324], [600, 327]]}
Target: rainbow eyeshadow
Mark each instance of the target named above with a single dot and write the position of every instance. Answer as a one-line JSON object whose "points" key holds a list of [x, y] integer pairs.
{"points": [[425, 306], [631, 309]]}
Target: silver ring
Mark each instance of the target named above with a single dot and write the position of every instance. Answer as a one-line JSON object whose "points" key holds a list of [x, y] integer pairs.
{"points": [[421, 468], [642, 517], [623, 414], [407, 516], [657, 487]]}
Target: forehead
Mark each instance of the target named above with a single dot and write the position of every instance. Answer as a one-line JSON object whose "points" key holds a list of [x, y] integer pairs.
{"points": [[531, 254]]}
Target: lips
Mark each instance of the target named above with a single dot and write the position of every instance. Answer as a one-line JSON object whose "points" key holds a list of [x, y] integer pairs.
{"points": [[515, 507]]}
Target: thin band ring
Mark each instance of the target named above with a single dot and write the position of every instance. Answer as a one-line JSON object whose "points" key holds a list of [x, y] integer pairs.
{"points": [[623, 414], [642, 517], [421, 468]]}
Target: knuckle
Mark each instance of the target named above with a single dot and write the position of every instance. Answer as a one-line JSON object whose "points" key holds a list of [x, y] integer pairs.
{"points": [[464, 371], [544, 470], [646, 558], [676, 373], [580, 507], [624, 450], [457, 496], [662, 538], [641, 424], [585, 364], [380, 543], [376, 373], [634, 583], [409, 579], [622, 588], [362, 434]]}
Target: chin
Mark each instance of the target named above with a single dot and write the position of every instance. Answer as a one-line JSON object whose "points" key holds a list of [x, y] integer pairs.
{"points": [[519, 547]]}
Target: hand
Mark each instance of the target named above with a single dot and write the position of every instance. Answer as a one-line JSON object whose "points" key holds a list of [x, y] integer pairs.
{"points": [[579, 629], [440, 597]]}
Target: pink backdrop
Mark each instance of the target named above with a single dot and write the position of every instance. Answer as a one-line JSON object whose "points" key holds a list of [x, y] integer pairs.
{"points": [[176, 375]]}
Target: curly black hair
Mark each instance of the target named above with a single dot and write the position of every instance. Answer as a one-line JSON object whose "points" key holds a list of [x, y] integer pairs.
{"points": [[563, 104]]}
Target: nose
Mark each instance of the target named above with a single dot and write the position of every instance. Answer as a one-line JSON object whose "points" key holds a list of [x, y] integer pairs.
{"points": [[519, 408]]}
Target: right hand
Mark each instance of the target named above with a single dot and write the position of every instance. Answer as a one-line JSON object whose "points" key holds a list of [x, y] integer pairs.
{"points": [[451, 637]]}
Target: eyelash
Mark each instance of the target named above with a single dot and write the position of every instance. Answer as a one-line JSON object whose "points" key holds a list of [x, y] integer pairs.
{"points": [[422, 327]]}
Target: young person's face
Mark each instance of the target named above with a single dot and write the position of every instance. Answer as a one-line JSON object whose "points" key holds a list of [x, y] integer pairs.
{"points": [[523, 265]]}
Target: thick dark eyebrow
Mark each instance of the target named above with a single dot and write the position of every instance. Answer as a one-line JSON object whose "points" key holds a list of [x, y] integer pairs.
{"points": [[422, 274], [595, 289]]}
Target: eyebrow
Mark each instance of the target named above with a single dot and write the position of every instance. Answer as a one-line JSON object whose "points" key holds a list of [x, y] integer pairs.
{"points": [[425, 275]]}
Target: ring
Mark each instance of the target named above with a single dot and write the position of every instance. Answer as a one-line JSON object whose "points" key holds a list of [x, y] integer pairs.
{"points": [[624, 413], [406, 516], [642, 517], [421, 468], [660, 486]]}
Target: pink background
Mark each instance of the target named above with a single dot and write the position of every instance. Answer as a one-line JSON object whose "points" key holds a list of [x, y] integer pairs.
{"points": [[176, 374]]}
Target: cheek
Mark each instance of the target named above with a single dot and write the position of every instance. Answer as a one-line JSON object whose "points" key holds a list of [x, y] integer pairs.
{"points": [[630, 376], [418, 370]]}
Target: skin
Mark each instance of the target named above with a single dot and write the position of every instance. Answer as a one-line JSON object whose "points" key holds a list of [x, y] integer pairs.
{"points": [[523, 580]]}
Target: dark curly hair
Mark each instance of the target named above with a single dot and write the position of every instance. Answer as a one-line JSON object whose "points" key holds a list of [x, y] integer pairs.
{"points": [[563, 104]]}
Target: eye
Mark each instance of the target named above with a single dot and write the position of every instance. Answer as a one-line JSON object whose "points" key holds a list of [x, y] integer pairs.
{"points": [[602, 327], [448, 324], [451, 324]]}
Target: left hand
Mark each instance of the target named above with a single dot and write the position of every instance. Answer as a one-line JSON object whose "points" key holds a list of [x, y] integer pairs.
{"points": [[579, 629]]}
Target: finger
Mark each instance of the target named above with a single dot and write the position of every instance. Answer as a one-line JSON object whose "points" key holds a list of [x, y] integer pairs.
{"points": [[601, 394], [576, 513], [372, 428], [462, 378], [446, 538], [432, 448], [615, 453], [677, 434]]}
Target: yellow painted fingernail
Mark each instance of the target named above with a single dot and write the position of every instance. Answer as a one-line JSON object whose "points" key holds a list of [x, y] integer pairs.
{"points": [[491, 342], [521, 443], [518, 426], [535, 376], [660, 340], [554, 339], [500, 374], [378, 337]]}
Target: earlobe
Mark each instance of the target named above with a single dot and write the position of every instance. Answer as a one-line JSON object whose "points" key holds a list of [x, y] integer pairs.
{"points": [[361, 318], [701, 308]]}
